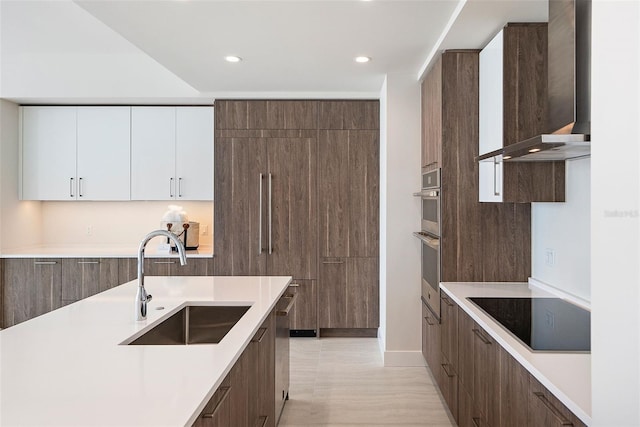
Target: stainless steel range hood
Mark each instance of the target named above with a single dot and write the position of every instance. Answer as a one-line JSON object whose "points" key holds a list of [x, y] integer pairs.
{"points": [[569, 88]]}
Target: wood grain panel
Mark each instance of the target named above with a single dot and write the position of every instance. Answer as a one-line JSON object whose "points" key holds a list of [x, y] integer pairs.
{"points": [[300, 115], [486, 375], [363, 193], [108, 274], [231, 114], [304, 314], [432, 99], [449, 385], [465, 350], [194, 267], [514, 389], [333, 195], [216, 413], [545, 410], [291, 163], [331, 115], [127, 269], [332, 293], [257, 115], [343, 115], [238, 133], [449, 327], [362, 293], [239, 395]]}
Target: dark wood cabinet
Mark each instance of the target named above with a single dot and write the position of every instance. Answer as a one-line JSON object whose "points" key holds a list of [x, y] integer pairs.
{"points": [[84, 277], [265, 218], [262, 376], [217, 411], [486, 376], [304, 313], [341, 115], [449, 348], [545, 410], [431, 345], [172, 267], [514, 389], [431, 104], [349, 296], [31, 287]]}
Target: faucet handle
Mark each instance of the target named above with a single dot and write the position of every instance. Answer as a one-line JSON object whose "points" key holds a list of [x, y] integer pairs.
{"points": [[149, 297]]}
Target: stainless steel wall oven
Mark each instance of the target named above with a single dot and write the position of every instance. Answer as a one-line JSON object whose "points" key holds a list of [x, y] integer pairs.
{"points": [[430, 239]]}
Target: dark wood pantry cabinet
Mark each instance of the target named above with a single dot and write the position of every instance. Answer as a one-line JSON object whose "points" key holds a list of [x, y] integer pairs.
{"points": [[297, 193]]}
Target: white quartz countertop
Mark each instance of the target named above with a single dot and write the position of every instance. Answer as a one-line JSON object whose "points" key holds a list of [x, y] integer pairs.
{"points": [[67, 367], [566, 375], [99, 251]]}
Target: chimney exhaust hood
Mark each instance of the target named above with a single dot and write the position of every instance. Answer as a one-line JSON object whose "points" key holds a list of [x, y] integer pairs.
{"points": [[569, 89]]}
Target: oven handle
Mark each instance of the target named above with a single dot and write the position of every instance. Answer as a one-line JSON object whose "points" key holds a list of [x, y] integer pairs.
{"points": [[432, 242]]}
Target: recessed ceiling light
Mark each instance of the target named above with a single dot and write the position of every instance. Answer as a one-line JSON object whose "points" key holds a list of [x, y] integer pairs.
{"points": [[232, 58], [362, 59]]}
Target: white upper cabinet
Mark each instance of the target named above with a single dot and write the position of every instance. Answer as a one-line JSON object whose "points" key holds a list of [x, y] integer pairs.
{"points": [[75, 153], [172, 153], [491, 119], [194, 153], [103, 153], [48, 153]]}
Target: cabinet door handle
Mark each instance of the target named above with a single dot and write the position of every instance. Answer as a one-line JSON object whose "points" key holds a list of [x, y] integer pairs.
{"points": [[164, 262], [285, 312], [476, 421], [294, 285], [482, 338], [333, 262], [496, 190], [70, 187], [447, 301], [225, 391], [258, 339], [429, 321], [88, 262], [79, 187], [446, 371], [260, 178], [551, 407], [179, 187], [170, 187], [45, 262], [270, 215], [262, 421]]}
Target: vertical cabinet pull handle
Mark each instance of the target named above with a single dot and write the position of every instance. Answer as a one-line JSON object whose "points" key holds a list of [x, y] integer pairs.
{"points": [[70, 187], [429, 321], [79, 187], [260, 177], [446, 301], [212, 414], [262, 421], [270, 214], [476, 421], [496, 191], [481, 337], [555, 411], [257, 338], [170, 187], [179, 187]]}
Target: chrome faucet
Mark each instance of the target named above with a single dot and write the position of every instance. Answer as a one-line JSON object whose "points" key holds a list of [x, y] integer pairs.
{"points": [[142, 298]]}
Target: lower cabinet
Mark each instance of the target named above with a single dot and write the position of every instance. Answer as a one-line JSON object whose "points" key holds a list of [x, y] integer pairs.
{"points": [[246, 397], [31, 287], [304, 314], [481, 383], [84, 277]]}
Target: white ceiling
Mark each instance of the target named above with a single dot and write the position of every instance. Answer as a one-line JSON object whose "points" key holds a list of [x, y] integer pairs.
{"points": [[64, 51]]}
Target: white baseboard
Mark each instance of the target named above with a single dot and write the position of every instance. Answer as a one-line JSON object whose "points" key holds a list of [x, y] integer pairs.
{"points": [[403, 358]]}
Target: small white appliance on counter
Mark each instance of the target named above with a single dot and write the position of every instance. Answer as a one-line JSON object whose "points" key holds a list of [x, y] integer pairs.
{"points": [[177, 221]]}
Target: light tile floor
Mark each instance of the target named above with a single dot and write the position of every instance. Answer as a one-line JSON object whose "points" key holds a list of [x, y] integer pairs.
{"points": [[342, 382]]}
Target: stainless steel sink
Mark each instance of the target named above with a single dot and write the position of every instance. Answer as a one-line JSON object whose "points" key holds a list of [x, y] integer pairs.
{"points": [[194, 324]]}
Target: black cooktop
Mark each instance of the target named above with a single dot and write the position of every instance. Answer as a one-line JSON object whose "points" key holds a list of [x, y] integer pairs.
{"points": [[543, 324]]}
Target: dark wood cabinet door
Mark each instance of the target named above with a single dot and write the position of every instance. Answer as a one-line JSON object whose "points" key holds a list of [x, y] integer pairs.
{"points": [[333, 193], [545, 410], [291, 233], [449, 327], [217, 411], [346, 115], [262, 386], [240, 192], [32, 287], [239, 395], [432, 106], [304, 314], [127, 269], [363, 193], [84, 277], [332, 293], [433, 345], [194, 267], [468, 413], [514, 392], [362, 293], [486, 375], [449, 385], [465, 350]]}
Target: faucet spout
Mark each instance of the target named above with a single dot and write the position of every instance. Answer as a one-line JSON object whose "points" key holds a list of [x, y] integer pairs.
{"points": [[142, 298]]}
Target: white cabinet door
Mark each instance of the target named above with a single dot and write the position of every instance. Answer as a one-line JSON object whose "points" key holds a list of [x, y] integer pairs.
{"points": [[153, 151], [491, 119], [103, 153], [194, 153], [48, 153]]}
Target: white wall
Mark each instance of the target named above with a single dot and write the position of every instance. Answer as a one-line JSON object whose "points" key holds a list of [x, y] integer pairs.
{"points": [[20, 222], [399, 249], [615, 231], [565, 229]]}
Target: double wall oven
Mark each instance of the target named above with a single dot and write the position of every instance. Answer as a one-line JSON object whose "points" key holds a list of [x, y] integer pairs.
{"points": [[430, 239]]}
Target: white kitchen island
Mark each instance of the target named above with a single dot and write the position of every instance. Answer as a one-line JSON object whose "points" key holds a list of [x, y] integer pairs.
{"points": [[69, 368]]}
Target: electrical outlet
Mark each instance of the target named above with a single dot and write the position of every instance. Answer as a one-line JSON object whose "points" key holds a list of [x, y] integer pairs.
{"points": [[551, 319], [549, 257], [204, 230], [89, 230]]}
